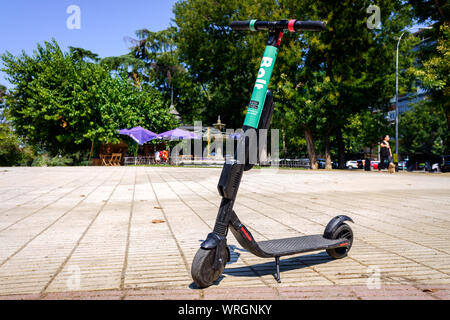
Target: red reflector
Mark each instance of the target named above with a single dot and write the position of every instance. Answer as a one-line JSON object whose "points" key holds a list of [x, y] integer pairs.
{"points": [[291, 25], [246, 234], [343, 244], [280, 36]]}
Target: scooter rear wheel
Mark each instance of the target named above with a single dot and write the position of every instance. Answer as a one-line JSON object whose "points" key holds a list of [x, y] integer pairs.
{"points": [[202, 270], [343, 231]]}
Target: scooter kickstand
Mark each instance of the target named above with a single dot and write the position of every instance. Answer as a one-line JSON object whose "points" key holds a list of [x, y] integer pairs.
{"points": [[277, 262]]}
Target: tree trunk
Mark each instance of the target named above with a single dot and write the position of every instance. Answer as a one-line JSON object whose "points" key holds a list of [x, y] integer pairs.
{"points": [[447, 137], [440, 10], [283, 134], [311, 148], [447, 114], [326, 140], [341, 148], [92, 150]]}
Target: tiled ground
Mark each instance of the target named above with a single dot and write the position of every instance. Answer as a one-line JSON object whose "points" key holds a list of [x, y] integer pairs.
{"points": [[93, 233]]}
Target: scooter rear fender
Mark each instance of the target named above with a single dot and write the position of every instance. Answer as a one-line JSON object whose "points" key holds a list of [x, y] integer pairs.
{"points": [[334, 224]]}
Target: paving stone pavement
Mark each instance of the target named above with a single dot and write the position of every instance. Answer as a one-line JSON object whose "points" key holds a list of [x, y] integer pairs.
{"points": [[132, 232]]}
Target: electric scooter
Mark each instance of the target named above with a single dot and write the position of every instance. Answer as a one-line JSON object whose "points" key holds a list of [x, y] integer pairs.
{"points": [[210, 259]]}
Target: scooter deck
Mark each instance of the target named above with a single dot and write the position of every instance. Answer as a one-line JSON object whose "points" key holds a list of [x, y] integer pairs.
{"points": [[288, 246], [285, 246]]}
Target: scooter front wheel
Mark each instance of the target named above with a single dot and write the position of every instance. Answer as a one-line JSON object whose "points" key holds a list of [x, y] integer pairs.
{"points": [[202, 270]]}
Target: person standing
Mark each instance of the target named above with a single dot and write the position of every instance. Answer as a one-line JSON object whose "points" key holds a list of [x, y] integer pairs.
{"points": [[385, 153]]}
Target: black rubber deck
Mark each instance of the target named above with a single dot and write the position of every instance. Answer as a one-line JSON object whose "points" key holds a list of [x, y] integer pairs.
{"points": [[287, 246]]}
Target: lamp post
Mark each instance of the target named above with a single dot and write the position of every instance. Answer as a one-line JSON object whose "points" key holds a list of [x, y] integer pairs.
{"points": [[396, 87]]}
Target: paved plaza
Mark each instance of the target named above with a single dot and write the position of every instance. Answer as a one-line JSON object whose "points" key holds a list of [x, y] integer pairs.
{"points": [[132, 232]]}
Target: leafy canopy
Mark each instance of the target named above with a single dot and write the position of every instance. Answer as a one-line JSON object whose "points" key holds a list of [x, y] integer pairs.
{"points": [[61, 103]]}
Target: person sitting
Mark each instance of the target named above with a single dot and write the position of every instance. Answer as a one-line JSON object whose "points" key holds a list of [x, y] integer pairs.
{"points": [[157, 157]]}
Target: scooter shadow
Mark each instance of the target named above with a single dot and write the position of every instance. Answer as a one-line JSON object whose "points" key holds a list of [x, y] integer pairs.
{"points": [[268, 268]]}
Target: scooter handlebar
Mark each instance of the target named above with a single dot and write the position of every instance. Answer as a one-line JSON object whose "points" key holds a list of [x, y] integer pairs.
{"points": [[240, 25], [291, 25], [309, 25]]}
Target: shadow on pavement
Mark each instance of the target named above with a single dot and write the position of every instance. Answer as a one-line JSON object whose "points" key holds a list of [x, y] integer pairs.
{"points": [[269, 267]]}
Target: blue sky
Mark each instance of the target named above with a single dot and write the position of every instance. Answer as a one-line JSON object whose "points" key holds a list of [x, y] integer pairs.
{"points": [[104, 24]]}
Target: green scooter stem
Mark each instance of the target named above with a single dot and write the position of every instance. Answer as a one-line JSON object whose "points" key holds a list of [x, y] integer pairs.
{"points": [[255, 107]]}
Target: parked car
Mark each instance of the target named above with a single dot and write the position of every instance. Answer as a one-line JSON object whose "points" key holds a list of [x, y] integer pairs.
{"points": [[427, 162], [374, 164], [321, 163], [352, 164]]}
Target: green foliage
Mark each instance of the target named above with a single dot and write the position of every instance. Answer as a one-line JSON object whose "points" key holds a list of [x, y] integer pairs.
{"points": [[347, 68], [434, 74], [79, 158], [326, 84], [80, 54], [2, 105], [423, 130], [12, 152], [45, 160], [154, 61], [222, 62], [364, 130], [60, 103], [431, 10], [322, 80], [133, 148]]}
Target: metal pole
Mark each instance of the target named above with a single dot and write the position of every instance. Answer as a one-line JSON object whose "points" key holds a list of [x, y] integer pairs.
{"points": [[396, 97], [396, 90]]}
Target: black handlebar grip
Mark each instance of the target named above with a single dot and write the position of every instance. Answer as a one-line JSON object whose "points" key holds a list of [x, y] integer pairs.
{"points": [[309, 25], [291, 25], [240, 25]]}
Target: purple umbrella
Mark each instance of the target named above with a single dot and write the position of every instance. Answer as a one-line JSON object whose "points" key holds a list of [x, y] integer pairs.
{"points": [[178, 134], [139, 134]]}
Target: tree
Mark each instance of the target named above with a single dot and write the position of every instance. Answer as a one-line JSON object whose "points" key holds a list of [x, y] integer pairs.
{"points": [[433, 66], [80, 54], [348, 67], [126, 63], [63, 104], [10, 153], [364, 130], [223, 62], [154, 60], [2, 99], [158, 52], [431, 10], [434, 74], [321, 79], [2, 93], [424, 131]]}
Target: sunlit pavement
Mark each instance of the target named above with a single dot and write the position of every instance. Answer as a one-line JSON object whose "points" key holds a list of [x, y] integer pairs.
{"points": [[132, 232]]}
